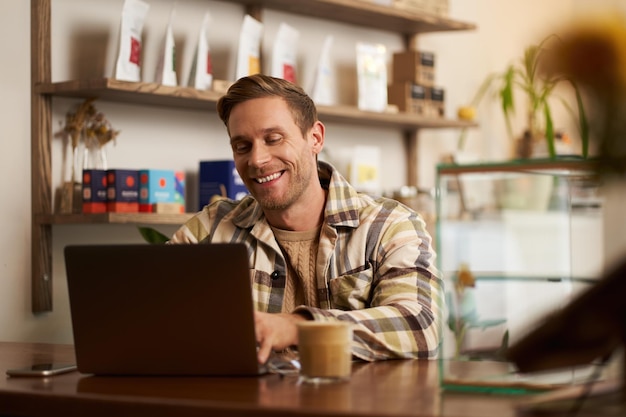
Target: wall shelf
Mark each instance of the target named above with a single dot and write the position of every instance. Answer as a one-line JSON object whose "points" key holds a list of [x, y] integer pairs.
{"points": [[113, 218], [109, 89], [365, 13]]}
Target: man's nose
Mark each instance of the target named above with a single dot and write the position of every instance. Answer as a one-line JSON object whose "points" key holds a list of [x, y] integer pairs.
{"points": [[259, 155]]}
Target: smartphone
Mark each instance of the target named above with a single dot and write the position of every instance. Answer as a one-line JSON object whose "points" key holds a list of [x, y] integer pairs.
{"points": [[42, 369]]}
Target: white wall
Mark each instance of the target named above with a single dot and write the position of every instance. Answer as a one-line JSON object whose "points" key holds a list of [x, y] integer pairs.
{"points": [[15, 320], [463, 60]]}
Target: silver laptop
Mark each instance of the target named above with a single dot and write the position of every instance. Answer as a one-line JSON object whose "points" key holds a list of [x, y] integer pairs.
{"points": [[144, 309]]}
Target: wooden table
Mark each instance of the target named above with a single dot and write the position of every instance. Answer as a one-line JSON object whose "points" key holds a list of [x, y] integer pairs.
{"points": [[389, 388]]}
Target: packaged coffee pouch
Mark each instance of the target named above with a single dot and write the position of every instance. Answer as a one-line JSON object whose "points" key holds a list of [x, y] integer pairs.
{"points": [[249, 53], [323, 91], [166, 67], [372, 76], [285, 53], [128, 67], [201, 74]]}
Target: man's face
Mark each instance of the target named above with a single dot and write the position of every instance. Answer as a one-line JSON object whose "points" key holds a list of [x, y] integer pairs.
{"points": [[274, 160]]}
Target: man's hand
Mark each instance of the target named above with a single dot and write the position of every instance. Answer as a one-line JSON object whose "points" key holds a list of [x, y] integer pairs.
{"points": [[275, 332]]}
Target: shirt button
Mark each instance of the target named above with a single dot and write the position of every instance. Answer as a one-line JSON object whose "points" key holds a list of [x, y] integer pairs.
{"points": [[275, 275]]}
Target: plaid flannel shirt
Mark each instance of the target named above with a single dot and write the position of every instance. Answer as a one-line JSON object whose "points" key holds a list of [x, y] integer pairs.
{"points": [[375, 267]]}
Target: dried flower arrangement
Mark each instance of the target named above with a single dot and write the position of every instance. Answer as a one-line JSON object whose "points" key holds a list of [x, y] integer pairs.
{"points": [[90, 125], [86, 123], [98, 128]]}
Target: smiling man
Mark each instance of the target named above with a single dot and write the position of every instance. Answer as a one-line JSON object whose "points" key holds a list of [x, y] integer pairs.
{"points": [[318, 249]]}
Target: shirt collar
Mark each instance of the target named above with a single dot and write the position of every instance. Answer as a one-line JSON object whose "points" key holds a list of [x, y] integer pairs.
{"points": [[342, 201]]}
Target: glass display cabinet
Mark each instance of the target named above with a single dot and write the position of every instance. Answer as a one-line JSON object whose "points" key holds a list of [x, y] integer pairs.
{"points": [[515, 241]]}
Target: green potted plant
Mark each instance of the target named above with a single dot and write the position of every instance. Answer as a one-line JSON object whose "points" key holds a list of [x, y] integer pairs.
{"points": [[527, 77]]}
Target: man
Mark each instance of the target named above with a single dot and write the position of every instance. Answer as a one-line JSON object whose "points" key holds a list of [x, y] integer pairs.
{"points": [[318, 250]]}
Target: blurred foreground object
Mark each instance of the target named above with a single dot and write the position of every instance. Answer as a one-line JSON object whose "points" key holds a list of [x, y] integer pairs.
{"points": [[593, 327], [593, 55]]}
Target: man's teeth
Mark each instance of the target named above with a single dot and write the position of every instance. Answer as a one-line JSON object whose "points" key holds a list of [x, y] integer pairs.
{"points": [[268, 178]]}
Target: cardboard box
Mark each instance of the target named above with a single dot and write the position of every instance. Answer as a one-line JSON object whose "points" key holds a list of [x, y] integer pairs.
{"points": [[219, 178], [94, 191], [409, 97], [417, 67], [155, 186], [437, 102], [122, 191]]}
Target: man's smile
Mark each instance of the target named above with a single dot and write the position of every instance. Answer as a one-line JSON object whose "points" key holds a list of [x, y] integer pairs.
{"points": [[268, 178]]}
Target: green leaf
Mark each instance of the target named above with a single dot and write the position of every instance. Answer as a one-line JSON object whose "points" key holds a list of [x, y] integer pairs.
{"points": [[504, 346], [452, 319], [152, 236], [506, 94], [549, 130], [482, 90], [583, 125]]}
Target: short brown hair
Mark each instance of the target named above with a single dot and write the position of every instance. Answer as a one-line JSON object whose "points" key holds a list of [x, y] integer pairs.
{"points": [[247, 88]]}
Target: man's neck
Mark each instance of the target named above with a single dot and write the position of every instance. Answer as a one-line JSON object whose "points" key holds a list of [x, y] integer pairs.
{"points": [[302, 216]]}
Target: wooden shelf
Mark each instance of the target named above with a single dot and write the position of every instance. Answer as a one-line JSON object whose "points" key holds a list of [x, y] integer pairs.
{"points": [[113, 218], [405, 121], [365, 13], [109, 89]]}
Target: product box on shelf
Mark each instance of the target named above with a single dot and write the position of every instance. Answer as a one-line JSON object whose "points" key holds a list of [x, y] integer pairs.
{"points": [[409, 97], [437, 102], [94, 191], [175, 204], [155, 186], [219, 178], [417, 67], [122, 190], [180, 189]]}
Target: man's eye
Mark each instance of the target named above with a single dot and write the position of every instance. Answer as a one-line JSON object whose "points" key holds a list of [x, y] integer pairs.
{"points": [[273, 139], [240, 147]]}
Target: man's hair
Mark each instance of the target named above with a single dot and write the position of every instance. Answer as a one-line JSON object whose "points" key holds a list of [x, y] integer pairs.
{"points": [[247, 88]]}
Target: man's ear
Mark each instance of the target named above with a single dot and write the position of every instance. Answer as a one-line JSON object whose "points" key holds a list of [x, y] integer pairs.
{"points": [[316, 134]]}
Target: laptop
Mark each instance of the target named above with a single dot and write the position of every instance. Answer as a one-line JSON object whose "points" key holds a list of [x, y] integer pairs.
{"points": [[140, 309]]}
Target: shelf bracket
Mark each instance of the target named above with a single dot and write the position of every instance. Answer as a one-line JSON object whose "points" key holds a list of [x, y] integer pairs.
{"points": [[41, 178], [411, 142]]}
